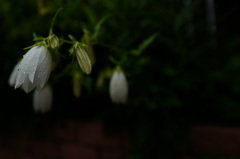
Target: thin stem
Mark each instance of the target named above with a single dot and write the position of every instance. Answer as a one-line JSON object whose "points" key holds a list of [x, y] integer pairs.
{"points": [[53, 20], [67, 41]]}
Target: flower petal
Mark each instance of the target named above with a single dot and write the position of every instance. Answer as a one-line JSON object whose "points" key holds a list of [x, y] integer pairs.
{"points": [[27, 86], [43, 69], [13, 75], [42, 99], [30, 62]]}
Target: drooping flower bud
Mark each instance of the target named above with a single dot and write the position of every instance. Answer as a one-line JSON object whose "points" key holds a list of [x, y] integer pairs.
{"points": [[42, 99], [82, 58], [34, 69], [118, 87]]}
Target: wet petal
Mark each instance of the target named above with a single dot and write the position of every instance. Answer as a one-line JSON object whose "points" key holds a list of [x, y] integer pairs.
{"points": [[34, 70], [43, 69], [13, 75]]}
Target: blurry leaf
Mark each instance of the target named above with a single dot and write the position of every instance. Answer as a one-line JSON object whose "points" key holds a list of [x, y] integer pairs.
{"points": [[144, 44], [71, 37], [151, 104], [37, 37], [233, 64], [90, 14], [5, 7], [182, 83], [172, 101], [184, 14], [113, 60], [169, 71], [98, 26], [235, 86]]}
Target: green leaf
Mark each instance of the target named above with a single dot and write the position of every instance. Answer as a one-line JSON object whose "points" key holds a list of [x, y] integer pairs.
{"points": [[183, 16], [113, 60], [90, 13], [72, 37], [144, 44], [98, 26]]}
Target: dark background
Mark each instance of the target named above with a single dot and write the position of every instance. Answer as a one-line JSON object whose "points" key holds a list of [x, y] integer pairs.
{"points": [[186, 79]]}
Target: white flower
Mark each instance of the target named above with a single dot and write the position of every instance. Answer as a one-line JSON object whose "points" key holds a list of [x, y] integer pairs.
{"points": [[118, 87], [13, 75], [34, 69], [42, 99]]}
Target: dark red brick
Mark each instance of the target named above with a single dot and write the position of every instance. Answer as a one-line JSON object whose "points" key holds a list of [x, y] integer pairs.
{"points": [[215, 140], [65, 132]]}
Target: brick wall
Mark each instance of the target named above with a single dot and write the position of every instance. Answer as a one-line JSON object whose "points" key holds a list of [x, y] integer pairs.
{"points": [[88, 140], [73, 140], [215, 140]]}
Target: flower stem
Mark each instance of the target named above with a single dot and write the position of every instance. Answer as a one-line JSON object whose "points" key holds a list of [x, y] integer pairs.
{"points": [[53, 20]]}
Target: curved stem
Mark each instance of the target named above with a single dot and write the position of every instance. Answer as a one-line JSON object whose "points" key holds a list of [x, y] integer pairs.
{"points": [[53, 20]]}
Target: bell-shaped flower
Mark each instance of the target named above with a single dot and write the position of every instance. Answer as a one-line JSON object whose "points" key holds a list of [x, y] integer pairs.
{"points": [[42, 99], [34, 69], [118, 87]]}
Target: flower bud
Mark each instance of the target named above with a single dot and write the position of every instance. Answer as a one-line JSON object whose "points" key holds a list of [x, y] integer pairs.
{"points": [[83, 58], [53, 41], [118, 87]]}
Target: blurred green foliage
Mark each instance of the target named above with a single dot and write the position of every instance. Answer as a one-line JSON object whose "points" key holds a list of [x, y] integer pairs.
{"points": [[177, 75]]}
